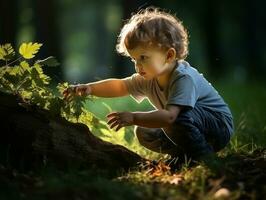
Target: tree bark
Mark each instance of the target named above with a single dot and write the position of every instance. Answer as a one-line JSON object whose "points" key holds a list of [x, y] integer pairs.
{"points": [[31, 138]]}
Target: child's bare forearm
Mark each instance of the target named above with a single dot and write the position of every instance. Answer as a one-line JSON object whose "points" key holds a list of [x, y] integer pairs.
{"points": [[108, 88], [153, 119]]}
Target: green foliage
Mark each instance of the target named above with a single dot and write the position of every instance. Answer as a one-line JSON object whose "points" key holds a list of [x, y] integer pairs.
{"points": [[28, 50], [6, 52], [75, 107], [32, 84]]}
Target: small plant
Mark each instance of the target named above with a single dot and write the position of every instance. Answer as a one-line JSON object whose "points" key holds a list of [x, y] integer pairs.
{"points": [[24, 77]]}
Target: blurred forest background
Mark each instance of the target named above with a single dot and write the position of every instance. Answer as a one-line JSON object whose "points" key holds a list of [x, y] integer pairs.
{"points": [[227, 38], [227, 45]]}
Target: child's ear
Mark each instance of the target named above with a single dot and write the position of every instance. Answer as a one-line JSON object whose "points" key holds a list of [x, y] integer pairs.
{"points": [[170, 55]]}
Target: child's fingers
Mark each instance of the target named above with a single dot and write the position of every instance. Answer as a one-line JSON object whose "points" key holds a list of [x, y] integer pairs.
{"points": [[118, 127], [65, 95], [68, 97], [112, 120], [81, 91], [112, 114], [70, 92], [67, 91], [114, 124]]}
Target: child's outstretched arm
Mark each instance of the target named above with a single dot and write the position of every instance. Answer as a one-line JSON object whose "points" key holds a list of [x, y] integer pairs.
{"points": [[108, 88], [104, 88]]}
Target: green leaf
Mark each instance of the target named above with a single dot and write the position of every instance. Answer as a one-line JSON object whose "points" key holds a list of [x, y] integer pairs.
{"points": [[26, 94], [28, 50], [77, 106], [39, 76], [37, 98], [18, 75], [25, 66], [26, 83], [11, 78], [50, 61], [4, 70], [6, 52], [23, 69], [15, 70], [4, 83], [55, 106]]}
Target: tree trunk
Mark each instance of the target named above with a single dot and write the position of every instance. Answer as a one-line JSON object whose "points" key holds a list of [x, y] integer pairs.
{"points": [[31, 138], [46, 23], [8, 22]]}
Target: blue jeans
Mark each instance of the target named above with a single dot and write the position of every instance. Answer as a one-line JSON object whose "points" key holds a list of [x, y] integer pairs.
{"points": [[196, 132]]}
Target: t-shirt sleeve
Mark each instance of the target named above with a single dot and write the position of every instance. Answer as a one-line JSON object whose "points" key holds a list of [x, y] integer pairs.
{"points": [[182, 92], [136, 87]]}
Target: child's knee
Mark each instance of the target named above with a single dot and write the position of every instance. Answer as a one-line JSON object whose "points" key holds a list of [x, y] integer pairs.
{"points": [[140, 135], [179, 131], [146, 136]]}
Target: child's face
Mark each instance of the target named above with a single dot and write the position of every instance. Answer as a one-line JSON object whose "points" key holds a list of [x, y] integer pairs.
{"points": [[149, 62]]}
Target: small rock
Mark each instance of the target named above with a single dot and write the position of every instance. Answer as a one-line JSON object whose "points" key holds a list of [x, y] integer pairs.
{"points": [[222, 192]]}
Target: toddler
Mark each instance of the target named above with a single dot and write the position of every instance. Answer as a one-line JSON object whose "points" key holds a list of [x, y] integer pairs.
{"points": [[190, 118]]}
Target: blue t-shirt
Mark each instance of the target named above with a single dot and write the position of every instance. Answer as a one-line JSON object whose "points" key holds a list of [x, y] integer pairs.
{"points": [[186, 87]]}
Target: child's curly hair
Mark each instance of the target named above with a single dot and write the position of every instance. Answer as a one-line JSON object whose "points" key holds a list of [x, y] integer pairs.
{"points": [[152, 26]]}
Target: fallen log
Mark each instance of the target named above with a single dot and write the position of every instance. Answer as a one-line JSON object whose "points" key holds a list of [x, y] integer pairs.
{"points": [[31, 138]]}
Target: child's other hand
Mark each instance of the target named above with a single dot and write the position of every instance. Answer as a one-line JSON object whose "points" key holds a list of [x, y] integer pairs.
{"points": [[120, 119], [76, 90]]}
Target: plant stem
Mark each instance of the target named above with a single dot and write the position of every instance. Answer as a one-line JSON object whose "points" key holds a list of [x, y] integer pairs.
{"points": [[13, 61], [24, 81]]}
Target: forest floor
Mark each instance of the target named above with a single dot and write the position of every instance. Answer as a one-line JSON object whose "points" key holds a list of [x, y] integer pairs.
{"points": [[238, 175]]}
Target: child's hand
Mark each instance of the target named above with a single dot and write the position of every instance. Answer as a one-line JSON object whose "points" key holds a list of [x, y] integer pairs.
{"points": [[76, 90], [120, 119]]}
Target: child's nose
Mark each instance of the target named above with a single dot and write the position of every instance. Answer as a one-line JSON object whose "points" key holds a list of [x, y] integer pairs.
{"points": [[138, 67]]}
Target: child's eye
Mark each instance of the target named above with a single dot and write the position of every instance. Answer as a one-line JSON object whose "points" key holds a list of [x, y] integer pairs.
{"points": [[142, 57]]}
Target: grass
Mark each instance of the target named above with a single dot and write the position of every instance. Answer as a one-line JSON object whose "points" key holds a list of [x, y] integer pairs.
{"points": [[238, 172]]}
